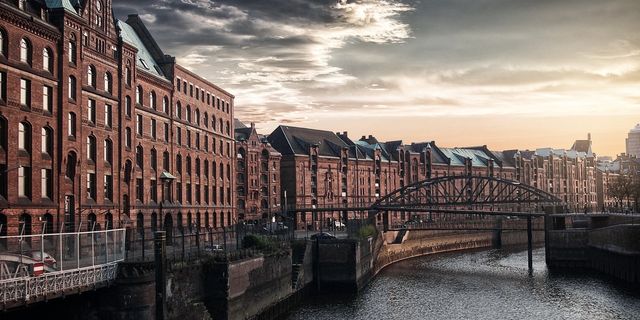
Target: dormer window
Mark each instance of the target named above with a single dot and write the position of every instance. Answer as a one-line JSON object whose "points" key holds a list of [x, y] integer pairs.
{"points": [[144, 63]]}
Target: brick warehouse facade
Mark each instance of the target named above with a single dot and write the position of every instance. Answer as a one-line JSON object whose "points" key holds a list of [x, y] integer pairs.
{"points": [[108, 127], [325, 169], [257, 176]]}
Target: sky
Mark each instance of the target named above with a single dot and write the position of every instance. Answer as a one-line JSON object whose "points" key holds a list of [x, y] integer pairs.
{"points": [[503, 73]]}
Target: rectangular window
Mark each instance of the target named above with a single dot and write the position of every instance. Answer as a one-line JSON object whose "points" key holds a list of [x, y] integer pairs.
{"points": [[3, 86], [72, 88], [188, 193], [24, 182], [197, 140], [47, 99], [197, 192], [179, 136], [179, 192], [91, 111], [188, 138], [139, 189], [108, 116], [153, 128], [25, 92], [71, 124], [46, 185], [139, 124], [166, 132], [91, 185], [206, 194], [154, 191]]}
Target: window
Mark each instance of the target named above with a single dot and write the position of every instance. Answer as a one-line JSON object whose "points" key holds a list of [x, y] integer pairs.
{"points": [[184, 87], [127, 106], [139, 94], [189, 114], [25, 92], [166, 132], [140, 157], [128, 76], [47, 141], [165, 105], [108, 82], [91, 111], [91, 148], [154, 159], [24, 137], [108, 116], [71, 124], [72, 88], [3, 43], [197, 93], [46, 183], [197, 140], [165, 161], [91, 185], [153, 129], [47, 60], [179, 164], [108, 151], [139, 124], [108, 187], [91, 76], [24, 182], [179, 110], [191, 90], [72, 51], [198, 117], [179, 136], [188, 138], [47, 99], [206, 120], [178, 84], [3, 86], [153, 190], [188, 165], [127, 138], [25, 51]]}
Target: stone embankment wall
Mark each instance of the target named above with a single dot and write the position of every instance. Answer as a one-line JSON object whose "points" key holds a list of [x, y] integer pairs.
{"points": [[613, 250]]}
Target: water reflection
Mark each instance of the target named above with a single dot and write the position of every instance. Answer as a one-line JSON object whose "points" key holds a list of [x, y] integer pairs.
{"points": [[478, 285]]}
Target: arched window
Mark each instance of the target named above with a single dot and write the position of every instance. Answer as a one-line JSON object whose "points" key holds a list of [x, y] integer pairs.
{"points": [[72, 50], [4, 142], [47, 59], [91, 76], [47, 141], [213, 124], [25, 224], [154, 159], [228, 128], [140, 157], [91, 148], [165, 105], [26, 51], [108, 221], [198, 117], [108, 82], [152, 100], [197, 167], [221, 171], [221, 126], [205, 167], [188, 113], [206, 120], [228, 172], [127, 72], [165, 161], [72, 87], [92, 221], [139, 95], [188, 165], [179, 164], [24, 137], [108, 151], [47, 223], [71, 165], [179, 110]]}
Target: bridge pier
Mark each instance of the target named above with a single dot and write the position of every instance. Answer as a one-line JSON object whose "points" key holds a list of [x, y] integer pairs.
{"points": [[529, 245]]}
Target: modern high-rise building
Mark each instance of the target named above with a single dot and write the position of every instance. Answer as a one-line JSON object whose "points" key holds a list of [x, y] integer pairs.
{"points": [[633, 141]]}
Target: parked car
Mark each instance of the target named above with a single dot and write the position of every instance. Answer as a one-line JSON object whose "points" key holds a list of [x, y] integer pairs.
{"points": [[214, 248], [274, 227], [338, 225], [323, 236]]}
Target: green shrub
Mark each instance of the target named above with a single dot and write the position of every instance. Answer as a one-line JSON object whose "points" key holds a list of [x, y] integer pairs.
{"points": [[261, 243], [366, 231]]}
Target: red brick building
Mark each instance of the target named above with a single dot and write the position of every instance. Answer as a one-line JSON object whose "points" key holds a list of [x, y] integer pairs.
{"points": [[257, 176], [109, 128]]}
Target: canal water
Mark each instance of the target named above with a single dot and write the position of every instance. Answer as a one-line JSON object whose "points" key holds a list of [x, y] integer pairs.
{"points": [[477, 285]]}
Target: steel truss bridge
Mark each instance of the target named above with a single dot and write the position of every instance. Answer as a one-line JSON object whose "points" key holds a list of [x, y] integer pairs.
{"points": [[458, 203]]}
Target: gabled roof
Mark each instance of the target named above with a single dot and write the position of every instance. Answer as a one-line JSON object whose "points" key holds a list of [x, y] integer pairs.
{"points": [[145, 61], [583, 146], [238, 124], [69, 5], [297, 141]]}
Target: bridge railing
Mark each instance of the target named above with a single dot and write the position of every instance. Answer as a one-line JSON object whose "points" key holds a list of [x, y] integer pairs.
{"points": [[33, 255]]}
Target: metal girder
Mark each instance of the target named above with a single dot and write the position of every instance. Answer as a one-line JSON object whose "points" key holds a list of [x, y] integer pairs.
{"points": [[466, 191]]}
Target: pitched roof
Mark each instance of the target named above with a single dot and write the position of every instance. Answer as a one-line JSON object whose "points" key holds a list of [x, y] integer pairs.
{"points": [[297, 141], [69, 5], [145, 62], [583, 146]]}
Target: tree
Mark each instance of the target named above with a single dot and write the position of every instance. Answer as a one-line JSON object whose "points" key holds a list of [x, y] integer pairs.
{"points": [[621, 188]]}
